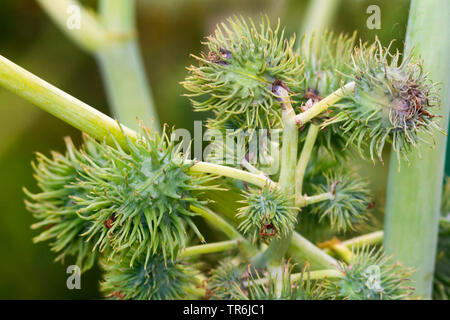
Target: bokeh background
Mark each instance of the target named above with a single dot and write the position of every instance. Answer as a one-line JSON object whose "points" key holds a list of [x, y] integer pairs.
{"points": [[169, 31]]}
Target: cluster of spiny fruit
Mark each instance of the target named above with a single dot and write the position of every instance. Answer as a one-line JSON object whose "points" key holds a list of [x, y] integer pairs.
{"points": [[131, 207]]}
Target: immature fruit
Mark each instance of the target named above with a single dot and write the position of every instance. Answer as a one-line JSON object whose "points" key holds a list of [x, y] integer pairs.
{"points": [[349, 202], [392, 102], [142, 198], [150, 278], [267, 214], [371, 276], [235, 75], [55, 207]]}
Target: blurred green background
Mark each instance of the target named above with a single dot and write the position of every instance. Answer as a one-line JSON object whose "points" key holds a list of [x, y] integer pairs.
{"points": [[169, 31]]}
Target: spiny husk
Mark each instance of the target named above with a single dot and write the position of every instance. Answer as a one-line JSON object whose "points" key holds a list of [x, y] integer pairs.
{"points": [[349, 203], [150, 278], [142, 198], [55, 208], [391, 103], [234, 77], [224, 280], [371, 276], [267, 213]]}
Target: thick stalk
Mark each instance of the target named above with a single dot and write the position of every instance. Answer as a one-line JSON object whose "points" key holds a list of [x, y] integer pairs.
{"points": [[122, 68], [61, 104], [111, 37], [414, 193], [277, 249], [303, 163]]}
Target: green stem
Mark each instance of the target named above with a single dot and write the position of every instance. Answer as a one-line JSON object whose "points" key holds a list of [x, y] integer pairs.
{"points": [[366, 239], [122, 68], [303, 250], [212, 168], [303, 163], [317, 18], [61, 104], [324, 104], [307, 200], [221, 224], [210, 248], [277, 248], [91, 36], [414, 193]]}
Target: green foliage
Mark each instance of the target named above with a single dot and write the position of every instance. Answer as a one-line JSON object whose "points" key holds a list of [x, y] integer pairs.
{"points": [[391, 104], [349, 202], [234, 77], [267, 214], [371, 276], [149, 278]]}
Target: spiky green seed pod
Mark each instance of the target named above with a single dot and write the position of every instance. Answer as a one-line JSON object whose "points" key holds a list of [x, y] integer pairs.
{"points": [[348, 203], [371, 276], [441, 280], [224, 280], [234, 77], [150, 278], [142, 198], [267, 214], [54, 206], [392, 102]]}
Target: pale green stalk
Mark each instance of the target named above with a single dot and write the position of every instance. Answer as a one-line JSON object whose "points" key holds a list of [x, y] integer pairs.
{"points": [[212, 168], [302, 250], [91, 35], [307, 200], [210, 248], [61, 104], [318, 17], [217, 222], [277, 248], [305, 155], [122, 68], [372, 238], [111, 37], [414, 193], [324, 104]]}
